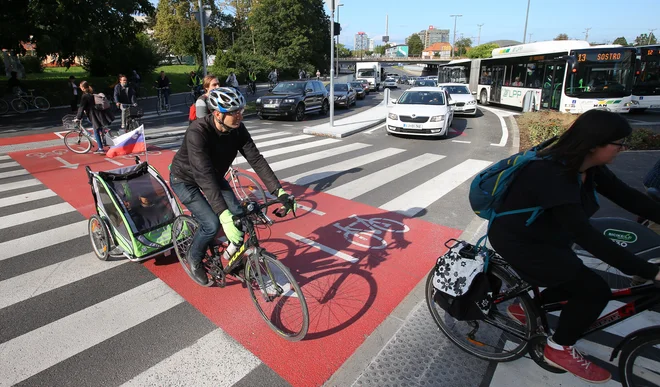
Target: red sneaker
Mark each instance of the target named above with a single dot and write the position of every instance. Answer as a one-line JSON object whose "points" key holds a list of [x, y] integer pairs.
{"points": [[571, 360], [516, 312]]}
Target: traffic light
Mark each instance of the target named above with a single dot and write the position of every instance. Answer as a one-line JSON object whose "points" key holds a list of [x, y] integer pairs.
{"points": [[337, 28]]}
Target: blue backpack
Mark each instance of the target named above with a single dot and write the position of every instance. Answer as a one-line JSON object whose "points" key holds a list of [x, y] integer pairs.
{"points": [[489, 187]]}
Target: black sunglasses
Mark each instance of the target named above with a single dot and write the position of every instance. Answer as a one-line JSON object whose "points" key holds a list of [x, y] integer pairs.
{"points": [[619, 144]]}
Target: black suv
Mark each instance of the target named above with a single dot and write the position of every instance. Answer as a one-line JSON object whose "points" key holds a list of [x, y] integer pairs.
{"points": [[294, 99]]}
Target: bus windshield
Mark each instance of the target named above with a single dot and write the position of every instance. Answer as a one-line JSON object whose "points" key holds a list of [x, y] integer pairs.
{"points": [[601, 73], [647, 81], [453, 74], [366, 73]]}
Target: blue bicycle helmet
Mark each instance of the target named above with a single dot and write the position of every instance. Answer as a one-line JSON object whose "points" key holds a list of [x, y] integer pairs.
{"points": [[226, 100]]}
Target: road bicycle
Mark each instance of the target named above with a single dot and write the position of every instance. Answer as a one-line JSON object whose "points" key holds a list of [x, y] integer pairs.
{"points": [[160, 104], [23, 102], [368, 235], [79, 139], [498, 337], [250, 89], [273, 290]]}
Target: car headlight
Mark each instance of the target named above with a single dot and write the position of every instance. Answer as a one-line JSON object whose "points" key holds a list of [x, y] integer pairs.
{"points": [[289, 100], [258, 100], [473, 102], [342, 97], [438, 118], [392, 116]]}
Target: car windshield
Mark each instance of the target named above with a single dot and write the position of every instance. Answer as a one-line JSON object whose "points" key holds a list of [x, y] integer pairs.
{"points": [[602, 74], [424, 82], [422, 98], [367, 73], [356, 84], [457, 89], [288, 87], [340, 87]]}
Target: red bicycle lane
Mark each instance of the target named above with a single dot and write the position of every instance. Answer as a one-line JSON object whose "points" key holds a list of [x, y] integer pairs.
{"points": [[354, 263]]}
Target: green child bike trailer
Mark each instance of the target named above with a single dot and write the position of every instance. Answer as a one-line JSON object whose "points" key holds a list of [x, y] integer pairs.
{"points": [[489, 187], [135, 211]]}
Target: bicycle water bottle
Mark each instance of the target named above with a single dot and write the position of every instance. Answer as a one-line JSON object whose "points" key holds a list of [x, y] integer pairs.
{"points": [[230, 250]]}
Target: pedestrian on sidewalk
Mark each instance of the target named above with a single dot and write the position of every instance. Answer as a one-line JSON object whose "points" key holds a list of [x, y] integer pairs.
{"points": [[75, 97], [318, 74]]}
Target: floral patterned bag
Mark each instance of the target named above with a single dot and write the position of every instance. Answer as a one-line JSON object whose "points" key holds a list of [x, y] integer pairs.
{"points": [[463, 288]]}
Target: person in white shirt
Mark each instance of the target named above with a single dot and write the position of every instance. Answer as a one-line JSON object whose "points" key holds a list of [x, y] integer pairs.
{"points": [[232, 81]]}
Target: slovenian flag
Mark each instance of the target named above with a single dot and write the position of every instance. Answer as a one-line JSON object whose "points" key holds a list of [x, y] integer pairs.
{"points": [[128, 143]]}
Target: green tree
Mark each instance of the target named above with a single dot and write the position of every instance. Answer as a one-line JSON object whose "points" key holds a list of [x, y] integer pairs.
{"points": [[643, 40], [620, 40], [561, 37], [482, 51], [462, 46], [342, 51], [415, 45], [90, 29], [381, 50]]}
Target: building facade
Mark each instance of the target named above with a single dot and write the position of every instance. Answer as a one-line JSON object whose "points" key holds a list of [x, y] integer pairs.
{"points": [[433, 35], [361, 42]]}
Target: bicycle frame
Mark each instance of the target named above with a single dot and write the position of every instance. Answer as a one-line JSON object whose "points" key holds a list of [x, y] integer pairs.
{"points": [[645, 297]]}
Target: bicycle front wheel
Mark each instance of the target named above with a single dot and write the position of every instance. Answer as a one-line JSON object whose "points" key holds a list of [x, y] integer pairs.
{"points": [[19, 105], [479, 337], [41, 103], [639, 359], [277, 296], [4, 107], [77, 142]]}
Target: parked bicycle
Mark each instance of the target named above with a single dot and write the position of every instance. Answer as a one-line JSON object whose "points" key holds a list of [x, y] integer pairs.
{"points": [[273, 290], [24, 101], [499, 337], [161, 105]]}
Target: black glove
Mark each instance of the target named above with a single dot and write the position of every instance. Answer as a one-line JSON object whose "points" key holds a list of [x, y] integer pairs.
{"points": [[288, 204]]}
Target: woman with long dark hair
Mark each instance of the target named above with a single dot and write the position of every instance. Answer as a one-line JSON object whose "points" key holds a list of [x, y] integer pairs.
{"points": [[98, 118], [565, 184]]}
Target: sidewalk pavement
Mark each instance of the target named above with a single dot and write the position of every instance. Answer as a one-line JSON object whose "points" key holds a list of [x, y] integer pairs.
{"points": [[354, 123]]}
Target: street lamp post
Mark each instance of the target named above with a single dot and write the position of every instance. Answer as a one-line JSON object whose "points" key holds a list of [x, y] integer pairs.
{"points": [[201, 25], [526, 18], [337, 66], [332, 69], [454, 46]]}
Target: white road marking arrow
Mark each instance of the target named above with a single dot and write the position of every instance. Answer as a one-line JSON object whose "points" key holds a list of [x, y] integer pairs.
{"points": [[66, 163]]}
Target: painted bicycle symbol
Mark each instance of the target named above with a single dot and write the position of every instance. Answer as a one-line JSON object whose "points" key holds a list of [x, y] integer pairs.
{"points": [[367, 235], [149, 153], [53, 153]]}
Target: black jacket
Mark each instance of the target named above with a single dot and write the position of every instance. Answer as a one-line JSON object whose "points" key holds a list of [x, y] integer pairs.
{"points": [[206, 154], [99, 118], [125, 95]]}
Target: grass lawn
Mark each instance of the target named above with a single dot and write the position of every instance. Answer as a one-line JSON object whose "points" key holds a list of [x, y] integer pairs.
{"points": [[52, 83]]}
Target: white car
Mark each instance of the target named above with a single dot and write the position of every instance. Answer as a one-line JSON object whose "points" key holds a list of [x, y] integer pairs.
{"points": [[423, 111], [390, 82], [460, 93]]}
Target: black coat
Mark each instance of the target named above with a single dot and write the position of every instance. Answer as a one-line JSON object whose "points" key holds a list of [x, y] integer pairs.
{"points": [[99, 118], [206, 154]]}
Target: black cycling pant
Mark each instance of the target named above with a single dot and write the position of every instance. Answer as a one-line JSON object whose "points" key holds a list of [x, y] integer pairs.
{"points": [[587, 295]]}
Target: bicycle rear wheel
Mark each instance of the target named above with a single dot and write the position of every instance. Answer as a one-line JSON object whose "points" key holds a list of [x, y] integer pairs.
{"points": [[183, 231], [19, 105], [41, 103], [77, 142], [4, 107], [480, 338], [277, 296]]}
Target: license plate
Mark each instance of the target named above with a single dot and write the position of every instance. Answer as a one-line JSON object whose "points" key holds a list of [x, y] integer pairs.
{"points": [[412, 126], [270, 106]]}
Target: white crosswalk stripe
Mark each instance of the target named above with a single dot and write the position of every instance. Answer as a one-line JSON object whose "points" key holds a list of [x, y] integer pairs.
{"points": [[424, 195], [49, 264]]}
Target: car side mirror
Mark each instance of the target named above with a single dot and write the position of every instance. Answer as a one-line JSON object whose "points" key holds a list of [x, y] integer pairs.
{"points": [[452, 102], [309, 90], [393, 100], [474, 93]]}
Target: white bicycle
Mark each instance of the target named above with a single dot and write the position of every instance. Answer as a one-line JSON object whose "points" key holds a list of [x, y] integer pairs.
{"points": [[368, 235]]}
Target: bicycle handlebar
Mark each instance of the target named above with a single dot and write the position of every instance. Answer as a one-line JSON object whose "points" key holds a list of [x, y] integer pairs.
{"points": [[252, 208]]}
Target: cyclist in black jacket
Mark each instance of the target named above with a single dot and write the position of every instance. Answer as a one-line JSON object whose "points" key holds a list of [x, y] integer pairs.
{"points": [[209, 148], [565, 184]]}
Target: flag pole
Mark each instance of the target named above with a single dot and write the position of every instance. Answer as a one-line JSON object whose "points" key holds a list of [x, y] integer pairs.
{"points": [[146, 148]]}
